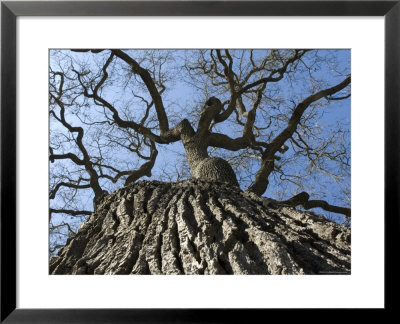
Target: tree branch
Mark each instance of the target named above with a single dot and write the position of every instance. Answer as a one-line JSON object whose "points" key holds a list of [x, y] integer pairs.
{"points": [[299, 110], [69, 212], [94, 179], [101, 101], [69, 185], [226, 142], [151, 87], [260, 182], [214, 106], [70, 156], [236, 93], [281, 72], [303, 200], [145, 169]]}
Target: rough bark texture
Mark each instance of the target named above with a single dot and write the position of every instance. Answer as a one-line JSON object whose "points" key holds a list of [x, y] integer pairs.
{"points": [[215, 169], [199, 227]]}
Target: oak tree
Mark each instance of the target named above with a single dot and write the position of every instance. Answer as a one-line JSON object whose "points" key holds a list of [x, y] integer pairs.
{"points": [[265, 122]]}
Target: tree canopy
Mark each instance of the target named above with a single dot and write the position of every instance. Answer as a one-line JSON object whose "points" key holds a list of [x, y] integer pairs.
{"points": [[279, 117]]}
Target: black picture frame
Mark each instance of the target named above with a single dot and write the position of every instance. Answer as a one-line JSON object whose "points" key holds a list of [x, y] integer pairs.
{"points": [[11, 10]]}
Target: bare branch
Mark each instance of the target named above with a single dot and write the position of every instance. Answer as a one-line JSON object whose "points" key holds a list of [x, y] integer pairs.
{"points": [[303, 200], [94, 179], [145, 169], [260, 183], [151, 87], [71, 212], [214, 106], [225, 142], [280, 72], [66, 184], [118, 120]]}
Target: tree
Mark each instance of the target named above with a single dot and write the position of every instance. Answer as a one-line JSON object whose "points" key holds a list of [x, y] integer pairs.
{"points": [[245, 118]]}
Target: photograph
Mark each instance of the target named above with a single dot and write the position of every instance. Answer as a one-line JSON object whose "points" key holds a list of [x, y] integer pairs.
{"points": [[199, 161]]}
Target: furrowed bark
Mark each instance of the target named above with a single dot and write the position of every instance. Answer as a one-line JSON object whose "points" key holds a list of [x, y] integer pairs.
{"points": [[199, 227]]}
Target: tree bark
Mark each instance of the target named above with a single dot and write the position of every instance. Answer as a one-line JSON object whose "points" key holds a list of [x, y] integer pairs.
{"points": [[200, 227]]}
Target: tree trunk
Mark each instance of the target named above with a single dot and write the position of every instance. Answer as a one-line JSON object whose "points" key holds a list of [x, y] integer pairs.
{"points": [[199, 227]]}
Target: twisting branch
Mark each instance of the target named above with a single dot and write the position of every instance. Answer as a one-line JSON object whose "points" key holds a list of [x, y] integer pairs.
{"points": [[276, 74], [303, 200], [214, 106], [260, 183], [145, 169], [133, 175], [299, 110], [151, 87], [86, 162], [237, 90], [166, 135], [247, 139], [71, 212], [70, 156], [98, 100], [339, 98], [69, 185]]}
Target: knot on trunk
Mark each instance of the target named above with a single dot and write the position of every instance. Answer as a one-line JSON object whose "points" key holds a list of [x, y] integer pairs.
{"points": [[215, 169]]}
